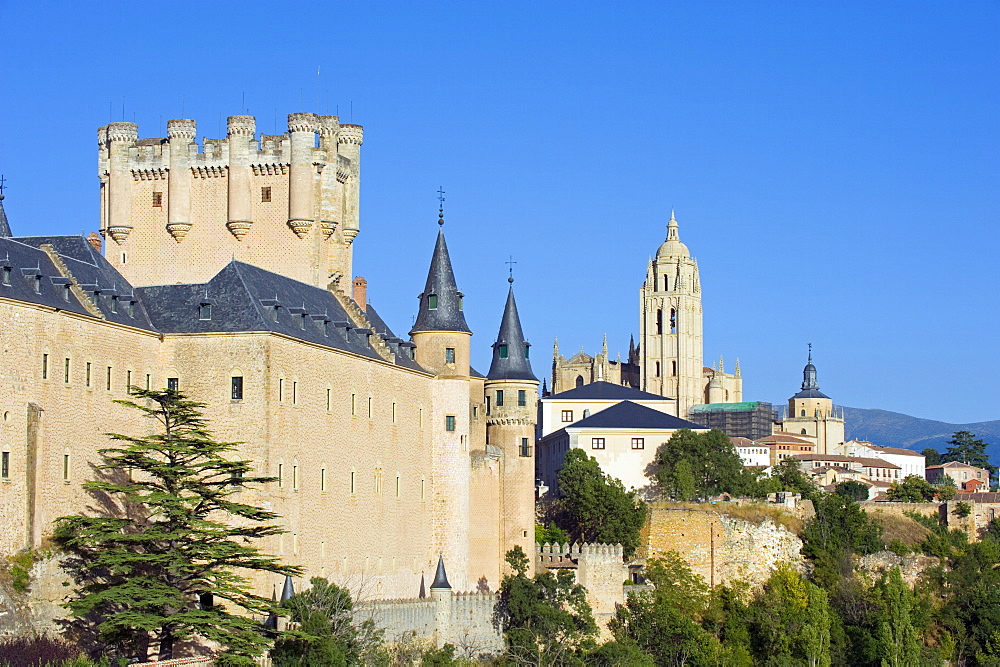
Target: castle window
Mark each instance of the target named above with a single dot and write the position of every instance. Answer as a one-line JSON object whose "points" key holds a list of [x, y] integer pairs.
{"points": [[295, 478], [397, 486], [130, 308], [281, 470], [597, 443], [273, 313], [526, 348], [657, 369], [369, 407], [265, 193], [5, 275], [499, 395], [45, 367], [37, 284], [128, 379], [449, 355], [327, 400], [65, 467], [659, 321], [281, 389], [114, 302], [567, 416], [673, 321], [503, 351], [205, 311], [579, 380], [803, 431], [423, 484], [149, 379], [236, 384], [66, 291], [66, 371], [666, 283], [525, 448], [5, 464], [522, 398], [354, 404], [157, 199], [302, 321], [449, 423], [803, 415], [638, 443], [460, 300], [353, 477], [432, 302], [172, 384], [488, 405], [109, 378], [88, 374], [295, 392], [673, 368], [322, 479], [393, 413]]}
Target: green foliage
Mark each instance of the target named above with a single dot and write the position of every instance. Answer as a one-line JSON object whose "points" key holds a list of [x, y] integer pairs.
{"points": [[700, 465], [932, 457], [788, 476], [897, 638], [545, 620], [967, 448], [946, 488], [839, 529], [852, 489], [551, 534], [595, 507], [438, 657], [325, 632], [20, 570], [790, 621], [615, 653], [912, 489], [172, 547], [963, 509]]}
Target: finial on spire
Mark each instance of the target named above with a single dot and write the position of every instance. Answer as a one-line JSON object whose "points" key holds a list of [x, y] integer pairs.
{"points": [[510, 268], [440, 204], [810, 352], [2, 180], [672, 226]]}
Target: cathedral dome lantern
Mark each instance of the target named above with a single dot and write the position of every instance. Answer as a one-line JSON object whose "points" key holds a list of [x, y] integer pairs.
{"points": [[810, 385], [672, 246]]}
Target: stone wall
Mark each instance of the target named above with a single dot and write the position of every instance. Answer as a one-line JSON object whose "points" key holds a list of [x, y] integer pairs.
{"points": [[719, 547]]}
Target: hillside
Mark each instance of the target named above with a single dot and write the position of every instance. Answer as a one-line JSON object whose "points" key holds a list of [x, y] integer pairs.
{"points": [[894, 429]]}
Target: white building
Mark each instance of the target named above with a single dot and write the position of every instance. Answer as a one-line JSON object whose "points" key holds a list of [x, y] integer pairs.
{"points": [[567, 407], [909, 461], [752, 454]]}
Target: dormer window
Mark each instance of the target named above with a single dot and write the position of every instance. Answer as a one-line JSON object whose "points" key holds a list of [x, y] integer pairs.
{"points": [[503, 351], [461, 298], [205, 311], [302, 321], [66, 291], [130, 308], [432, 302], [274, 313], [37, 285], [5, 275], [114, 301], [526, 348]]}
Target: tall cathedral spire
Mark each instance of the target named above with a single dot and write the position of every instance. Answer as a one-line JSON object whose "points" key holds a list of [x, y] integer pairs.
{"points": [[510, 351], [440, 302]]}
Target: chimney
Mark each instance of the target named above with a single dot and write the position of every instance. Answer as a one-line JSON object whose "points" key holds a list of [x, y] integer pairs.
{"points": [[361, 293], [94, 239]]}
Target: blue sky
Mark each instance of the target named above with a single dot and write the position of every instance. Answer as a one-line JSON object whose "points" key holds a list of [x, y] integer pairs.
{"points": [[834, 166]]}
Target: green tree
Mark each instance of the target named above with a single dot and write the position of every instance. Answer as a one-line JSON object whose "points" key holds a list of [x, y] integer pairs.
{"points": [[839, 529], [912, 489], [946, 488], [708, 462], [176, 540], [791, 621], [852, 489], [965, 447], [932, 457], [595, 507], [326, 633], [545, 620], [551, 534], [788, 476], [897, 638]]}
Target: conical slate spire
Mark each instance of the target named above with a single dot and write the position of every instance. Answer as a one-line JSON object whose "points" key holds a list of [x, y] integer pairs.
{"points": [[440, 302], [4, 225], [440, 577], [510, 352], [288, 590]]}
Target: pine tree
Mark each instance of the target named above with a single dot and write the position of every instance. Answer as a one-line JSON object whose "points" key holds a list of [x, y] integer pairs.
{"points": [[175, 541], [965, 447]]}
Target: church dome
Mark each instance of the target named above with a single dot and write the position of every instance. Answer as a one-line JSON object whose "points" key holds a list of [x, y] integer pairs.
{"points": [[672, 246]]}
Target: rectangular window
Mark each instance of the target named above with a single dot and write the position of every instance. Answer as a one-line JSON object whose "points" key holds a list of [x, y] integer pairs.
{"points": [[354, 404], [489, 405], [65, 467], [157, 199], [88, 374], [369, 407], [525, 448], [281, 470], [449, 355], [114, 301], [265, 193], [327, 400], [45, 367], [38, 284], [274, 314], [397, 486], [5, 275], [295, 392], [393, 413], [128, 379], [522, 398], [66, 371], [420, 417], [109, 378], [295, 477], [423, 485], [281, 388], [638, 443], [597, 443], [503, 351], [149, 381], [66, 292], [353, 474], [130, 308], [432, 302], [567, 416], [173, 384], [449, 423], [5, 464], [322, 479], [236, 383], [205, 311], [499, 397]]}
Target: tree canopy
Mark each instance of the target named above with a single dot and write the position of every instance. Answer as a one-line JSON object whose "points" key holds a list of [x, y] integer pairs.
{"points": [[700, 465], [965, 447], [912, 489], [170, 553]]}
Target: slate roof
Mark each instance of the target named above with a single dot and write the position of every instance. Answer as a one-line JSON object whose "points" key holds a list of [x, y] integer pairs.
{"points": [[514, 364], [400, 347], [447, 315], [609, 391], [979, 497], [26, 264], [632, 415], [4, 225]]}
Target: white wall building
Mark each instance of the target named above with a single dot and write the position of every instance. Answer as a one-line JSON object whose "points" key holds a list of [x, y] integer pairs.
{"points": [[560, 410], [752, 454], [909, 461]]}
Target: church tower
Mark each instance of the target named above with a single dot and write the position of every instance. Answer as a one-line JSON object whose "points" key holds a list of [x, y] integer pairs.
{"points": [[511, 411], [812, 413], [670, 320]]}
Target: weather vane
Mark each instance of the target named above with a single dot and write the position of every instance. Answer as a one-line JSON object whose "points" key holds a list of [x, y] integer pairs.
{"points": [[440, 204], [510, 268]]}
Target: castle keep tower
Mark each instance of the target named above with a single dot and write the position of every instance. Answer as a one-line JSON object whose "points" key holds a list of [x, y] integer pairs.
{"points": [[511, 410], [287, 203], [670, 323]]}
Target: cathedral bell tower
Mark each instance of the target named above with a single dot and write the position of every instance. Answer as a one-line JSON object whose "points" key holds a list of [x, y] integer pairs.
{"points": [[670, 319]]}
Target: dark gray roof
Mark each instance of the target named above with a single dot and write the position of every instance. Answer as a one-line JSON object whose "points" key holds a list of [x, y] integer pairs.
{"points": [[510, 352], [244, 298], [475, 374], [28, 266], [810, 386], [4, 225], [447, 314], [398, 346], [440, 577], [632, 415], [609, 391]]}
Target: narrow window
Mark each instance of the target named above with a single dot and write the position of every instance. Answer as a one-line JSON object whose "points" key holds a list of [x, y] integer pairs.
{"points": [[5, 465], [45, 366], [666, 283], [128, 379], [673, 321], [130, 308], [281, 471], [66, 292], [499, 395], [273, 312], [5, 275], [638, 443], [265, 193], [432, 302], [109, 378], [38, 285], [579, 380], [525, 448], [352, 481], [237, 387], [173, 384], [369, 407], [295, 477], [281, 388], [449, 355], [488, 405], [295, 392], [526, 349], [66, 371], [302, 321], [567, 416], [354, 404], [803, 413], [322, 479], [449, 423], [659, 321], [87, 375], [475, 412], [157, 199], [423, 484], [65, 467], [205, 311], [597, 443], [148, 381], [114, 301], [657, 369], [522, 398], [503, 351], [420, 417], [673, 368], [393, 413], [327, 400]]}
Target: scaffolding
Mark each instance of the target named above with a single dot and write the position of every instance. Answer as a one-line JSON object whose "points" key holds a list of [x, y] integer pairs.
{"points": [[750, 419]]}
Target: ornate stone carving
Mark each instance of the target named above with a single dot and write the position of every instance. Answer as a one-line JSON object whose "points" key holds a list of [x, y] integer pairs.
{"points": [[300, 227], [123, 132], [181, 128], [303, 122], [351, 134], [178, 230], [329, 126], [239, 228], [328, 227], [241, 125], [119, 232], [349, 235]]}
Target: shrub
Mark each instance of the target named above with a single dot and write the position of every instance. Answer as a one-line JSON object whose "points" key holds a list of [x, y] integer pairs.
{"points": [[38, 650], [963, 509]]}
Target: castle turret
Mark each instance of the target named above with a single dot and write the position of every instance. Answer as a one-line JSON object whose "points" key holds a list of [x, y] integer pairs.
{"points": [[180, 136], [120, 138], [240, 134], [511, 412]]}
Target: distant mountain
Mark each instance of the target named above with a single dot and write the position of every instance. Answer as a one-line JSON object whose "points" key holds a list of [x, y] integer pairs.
{"points": [[894, 429]]}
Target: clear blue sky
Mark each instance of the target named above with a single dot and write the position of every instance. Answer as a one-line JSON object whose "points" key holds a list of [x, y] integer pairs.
{"points": [[834, 166]]}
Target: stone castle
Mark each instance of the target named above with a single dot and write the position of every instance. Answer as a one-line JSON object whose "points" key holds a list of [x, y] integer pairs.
{"points": [[226, 273]]}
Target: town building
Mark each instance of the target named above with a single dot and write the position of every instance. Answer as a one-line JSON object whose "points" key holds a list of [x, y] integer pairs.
{"points": [[753, 454], [812, 413], [909, 461], [960, 473], [783, 445]]}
